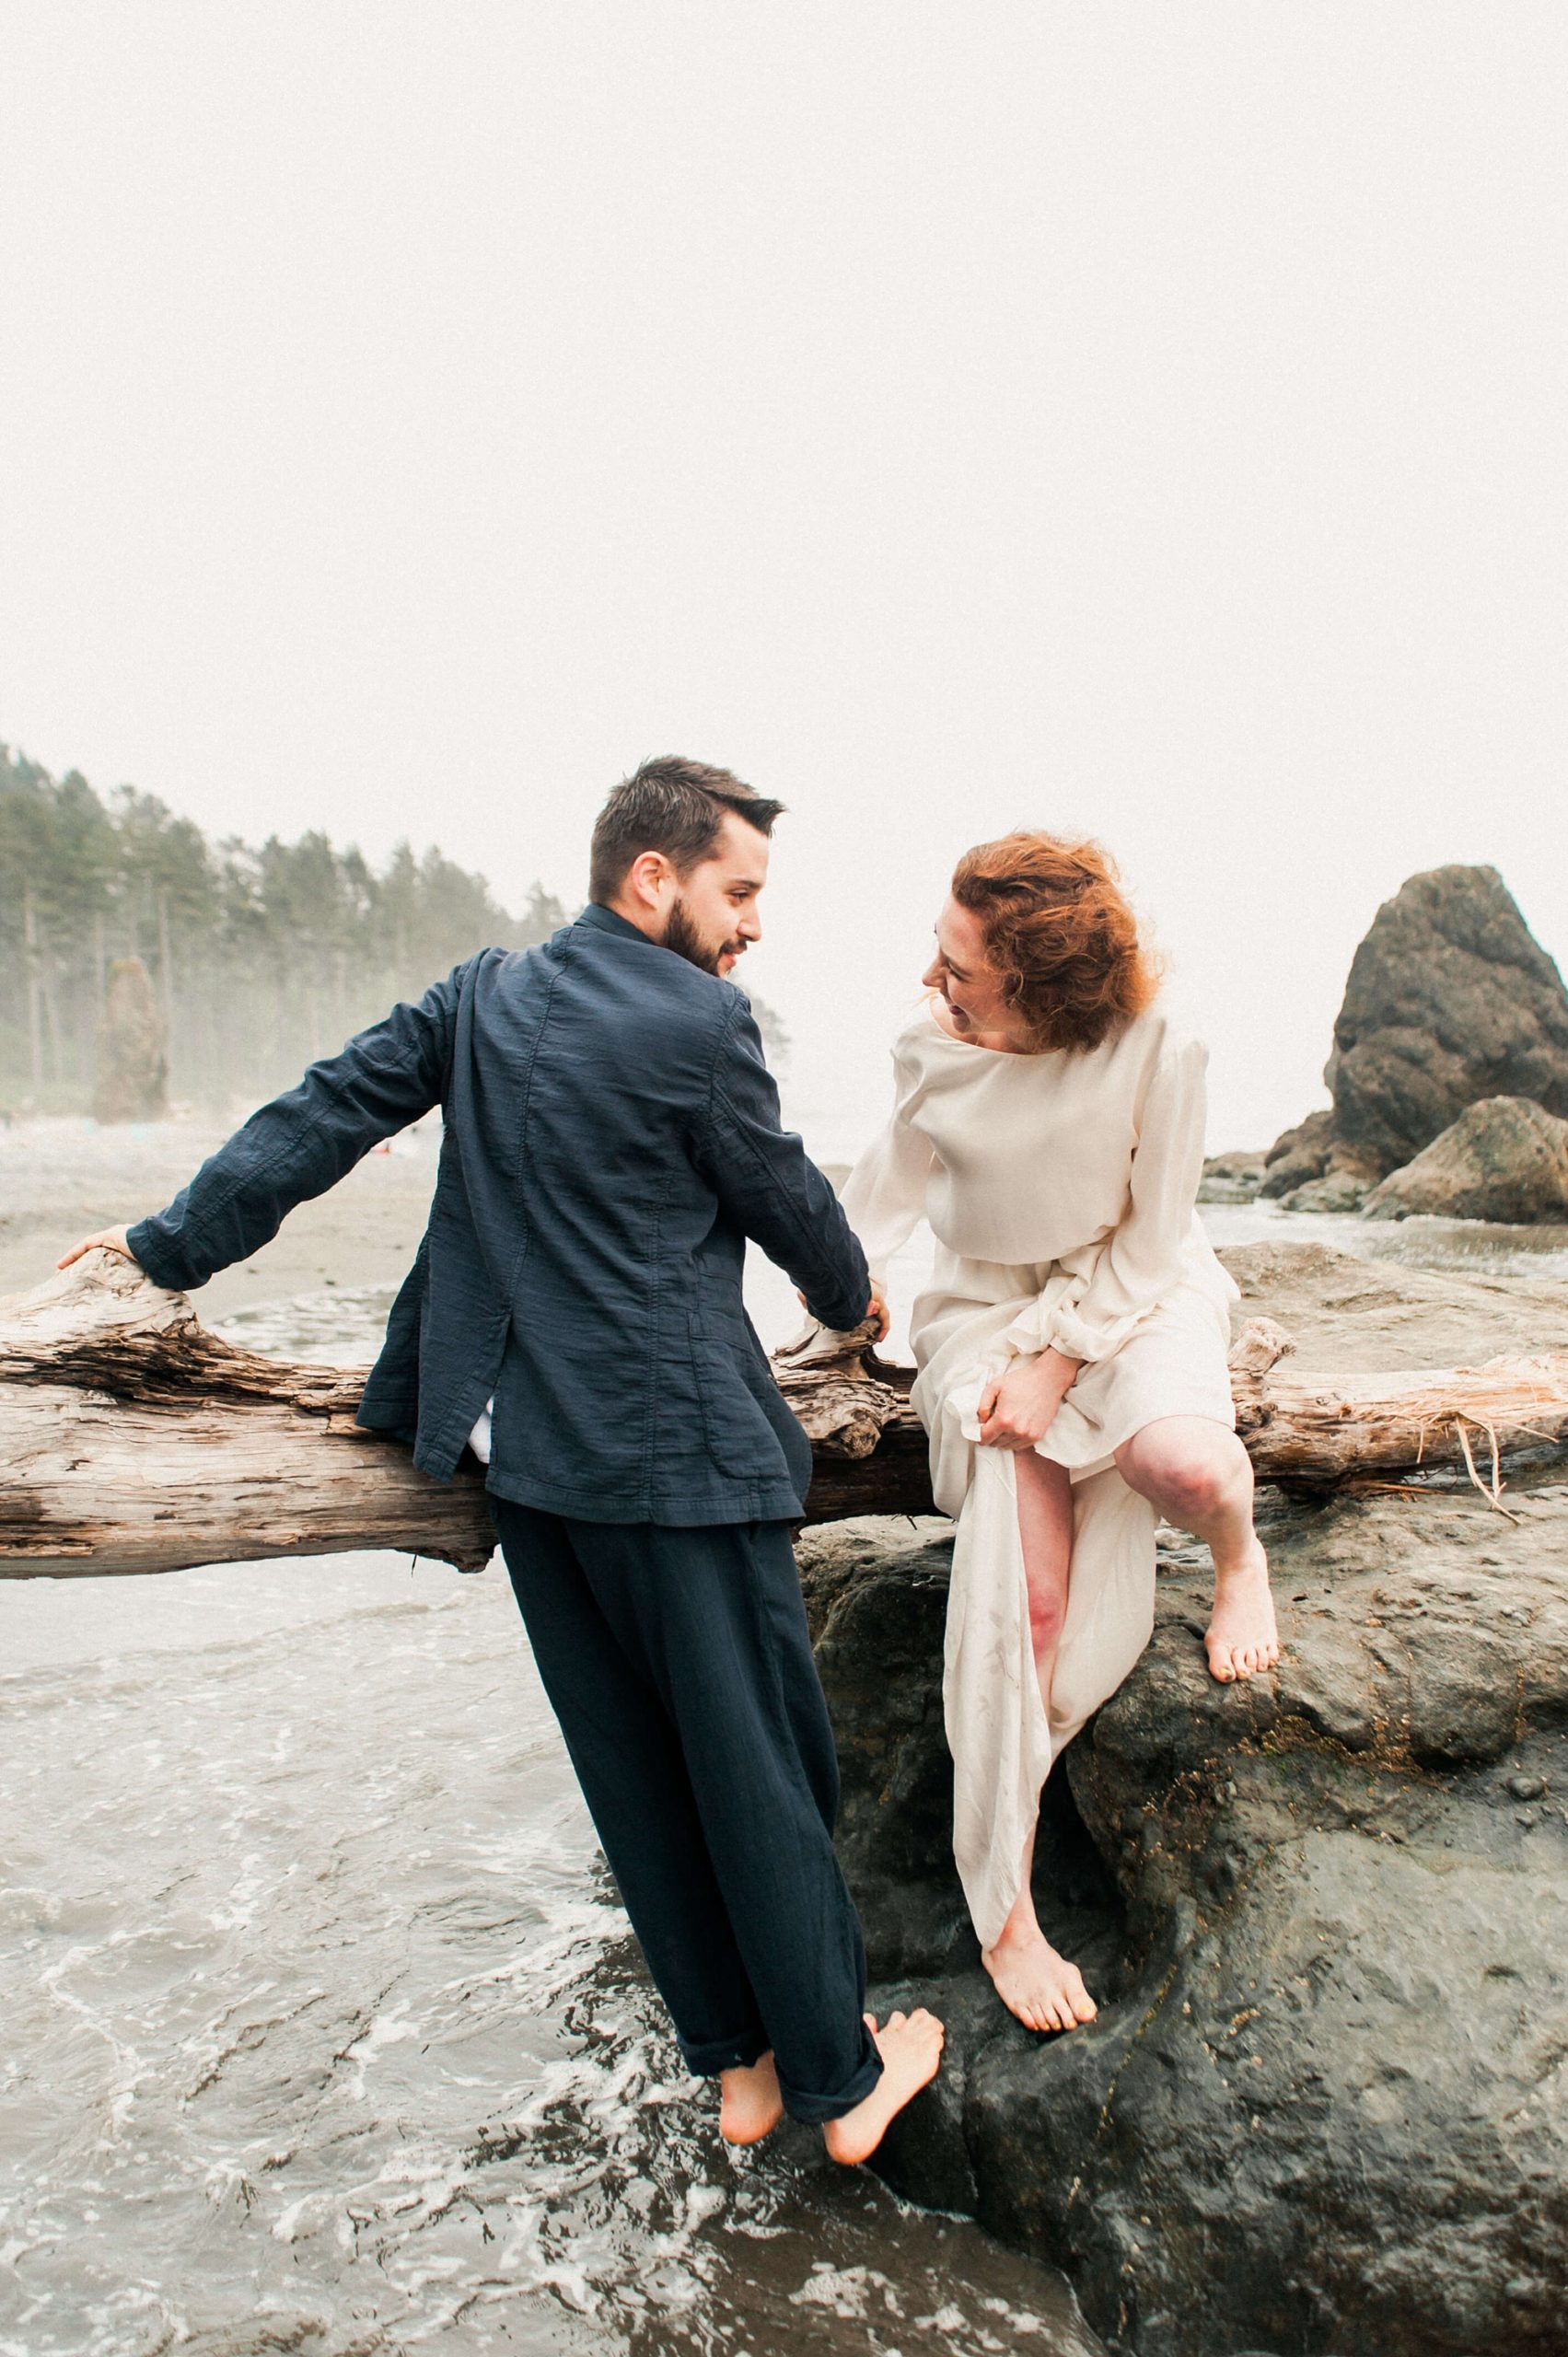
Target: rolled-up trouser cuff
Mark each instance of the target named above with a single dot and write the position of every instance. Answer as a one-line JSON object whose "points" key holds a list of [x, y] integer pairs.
{"points": [[815, 2109], [716, 2054]]}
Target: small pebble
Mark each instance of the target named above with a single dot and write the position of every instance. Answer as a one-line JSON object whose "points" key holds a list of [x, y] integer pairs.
{"points": [[1527, 1788]]}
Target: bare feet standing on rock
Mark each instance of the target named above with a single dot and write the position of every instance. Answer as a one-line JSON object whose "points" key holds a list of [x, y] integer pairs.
{"points": [[751, 2106], [1033, 1981], [911, 2047], [1243, 1637]]}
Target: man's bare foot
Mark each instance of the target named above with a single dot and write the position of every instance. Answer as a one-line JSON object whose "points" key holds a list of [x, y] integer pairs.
{"points": [[1041, 1987], [911, 2047], [751, 2106], [1243, 1638]]}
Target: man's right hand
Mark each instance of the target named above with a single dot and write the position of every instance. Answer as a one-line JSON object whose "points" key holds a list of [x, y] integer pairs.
{"points": [[876, 1314], [108, 1239]]}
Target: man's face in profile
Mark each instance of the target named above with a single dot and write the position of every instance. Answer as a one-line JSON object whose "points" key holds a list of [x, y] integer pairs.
{"points": [[713, 916]]}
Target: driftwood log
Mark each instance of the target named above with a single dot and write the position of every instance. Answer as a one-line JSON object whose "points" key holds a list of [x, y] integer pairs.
{"points": [[132, 1440]]}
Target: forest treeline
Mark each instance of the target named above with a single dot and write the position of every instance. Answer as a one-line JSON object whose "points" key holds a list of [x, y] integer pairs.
{"points": [[262, 958]]}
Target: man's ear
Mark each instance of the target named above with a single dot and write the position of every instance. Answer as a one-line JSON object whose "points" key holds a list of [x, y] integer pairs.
{"points": [[646, 877]]}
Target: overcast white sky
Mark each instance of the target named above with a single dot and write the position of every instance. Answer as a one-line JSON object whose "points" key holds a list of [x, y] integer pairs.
{"points": [[1145, 420]]}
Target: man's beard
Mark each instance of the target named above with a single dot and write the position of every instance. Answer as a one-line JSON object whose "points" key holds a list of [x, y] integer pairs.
{"points": [[681, 936]]}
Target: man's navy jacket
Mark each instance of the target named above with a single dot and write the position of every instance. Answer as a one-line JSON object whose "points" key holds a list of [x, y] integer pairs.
{"points": [[611, 1140]]}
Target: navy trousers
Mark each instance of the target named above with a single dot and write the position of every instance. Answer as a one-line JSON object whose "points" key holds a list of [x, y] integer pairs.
{"points": [[680, 1667]]}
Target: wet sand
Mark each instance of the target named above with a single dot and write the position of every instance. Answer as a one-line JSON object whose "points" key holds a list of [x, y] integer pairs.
{"points": [[60, 1180]]}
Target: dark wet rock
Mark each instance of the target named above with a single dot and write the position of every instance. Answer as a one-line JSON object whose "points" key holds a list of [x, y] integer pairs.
{"points": [[1299, 1155], [133, 1039], [1233, 1178], [877, 1596], [1308, 1168], [1450, 1000], [1505, 1160], [1324, 2107]]}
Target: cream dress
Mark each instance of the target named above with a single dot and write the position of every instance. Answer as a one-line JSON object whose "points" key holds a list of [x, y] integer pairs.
{"points": [[1060, 1189]]}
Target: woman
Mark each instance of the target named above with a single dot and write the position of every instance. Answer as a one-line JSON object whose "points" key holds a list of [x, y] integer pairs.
{"points": [[1049, 1122]]}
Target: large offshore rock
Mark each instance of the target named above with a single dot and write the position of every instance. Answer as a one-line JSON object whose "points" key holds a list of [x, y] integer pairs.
{"points": [[1503, 1159], [1450, 999], [1325, 2106]]}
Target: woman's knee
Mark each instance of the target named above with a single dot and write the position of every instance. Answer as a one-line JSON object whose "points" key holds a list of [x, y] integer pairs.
{"points": [[1048, 1609], [1191, 1478]]}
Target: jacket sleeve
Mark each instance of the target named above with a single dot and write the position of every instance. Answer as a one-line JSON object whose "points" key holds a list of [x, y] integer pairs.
{"points": [[884, 1196], [769, 1186], [1143, 1257], [302, 1143]]}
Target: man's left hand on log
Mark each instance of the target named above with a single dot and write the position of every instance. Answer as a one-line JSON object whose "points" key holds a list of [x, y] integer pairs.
{"points": [[108, 1239], [876, 1314]]}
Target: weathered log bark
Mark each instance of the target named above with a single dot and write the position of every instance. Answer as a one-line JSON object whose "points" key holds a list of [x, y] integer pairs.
{"points": [[132, 1440]]}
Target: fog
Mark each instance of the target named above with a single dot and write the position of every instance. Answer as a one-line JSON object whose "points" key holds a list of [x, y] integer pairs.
{"points": [[1140, 421]]}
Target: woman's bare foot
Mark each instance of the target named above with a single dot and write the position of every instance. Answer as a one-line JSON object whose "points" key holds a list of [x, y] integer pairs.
{"points": [[911, 2047], [1243, 1638], [751, 2106], [1034, 1982]]}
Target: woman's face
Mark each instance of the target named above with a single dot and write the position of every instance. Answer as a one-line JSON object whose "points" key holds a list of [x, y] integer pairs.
{"points": [[963, 972]]}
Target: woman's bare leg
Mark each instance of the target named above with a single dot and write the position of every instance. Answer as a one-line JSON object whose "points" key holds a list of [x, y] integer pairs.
{"points": [[1033, 1981], [1199, 1478]]}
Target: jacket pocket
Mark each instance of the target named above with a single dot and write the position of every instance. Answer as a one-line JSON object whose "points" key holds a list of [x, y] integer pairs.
{"points": [[736, 1426]]}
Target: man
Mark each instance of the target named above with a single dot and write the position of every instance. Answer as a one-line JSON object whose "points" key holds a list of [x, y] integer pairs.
{"points": [[612, 1139]]}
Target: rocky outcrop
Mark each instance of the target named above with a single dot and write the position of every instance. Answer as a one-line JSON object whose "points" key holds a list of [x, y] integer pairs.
{"points": [[1337, 1190], [1450, 999], [1233, 1178], [1503, 1159], [1310, 1169], [1299, 1155], [1325, 2106]]}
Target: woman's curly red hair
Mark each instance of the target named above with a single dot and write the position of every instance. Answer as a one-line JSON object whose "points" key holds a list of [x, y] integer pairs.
{"points": [[1060, 936]]}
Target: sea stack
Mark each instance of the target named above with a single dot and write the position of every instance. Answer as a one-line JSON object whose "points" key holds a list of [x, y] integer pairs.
{"points": [[133, 1039], [1450, 1000]]}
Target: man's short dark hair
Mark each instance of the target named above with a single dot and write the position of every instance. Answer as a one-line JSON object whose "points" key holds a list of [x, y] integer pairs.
{"points": [[673, 805]]}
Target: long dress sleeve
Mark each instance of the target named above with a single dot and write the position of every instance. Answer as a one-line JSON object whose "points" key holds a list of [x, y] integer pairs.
{"points": [[884, 1196], [1139, 1262]]}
